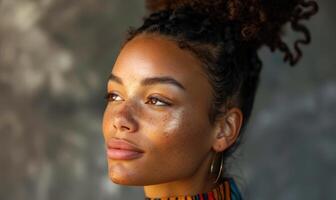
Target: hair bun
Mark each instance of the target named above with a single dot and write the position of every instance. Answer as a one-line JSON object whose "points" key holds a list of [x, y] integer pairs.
{"points": [[261, 21]]}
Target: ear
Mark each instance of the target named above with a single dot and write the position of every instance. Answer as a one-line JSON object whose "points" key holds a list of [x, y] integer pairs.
{"points": [[227, 129]]}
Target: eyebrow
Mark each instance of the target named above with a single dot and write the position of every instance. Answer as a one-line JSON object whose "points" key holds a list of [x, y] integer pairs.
{"points": [[151, 81]]}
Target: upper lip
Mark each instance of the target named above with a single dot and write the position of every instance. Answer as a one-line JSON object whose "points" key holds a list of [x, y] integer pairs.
{"points": [[115, 143]]}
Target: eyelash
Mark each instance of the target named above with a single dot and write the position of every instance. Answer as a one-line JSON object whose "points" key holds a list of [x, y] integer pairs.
{"points": [[109, 98]]}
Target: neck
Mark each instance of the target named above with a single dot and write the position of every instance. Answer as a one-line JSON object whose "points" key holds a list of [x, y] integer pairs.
{"points": [[197, 183]]}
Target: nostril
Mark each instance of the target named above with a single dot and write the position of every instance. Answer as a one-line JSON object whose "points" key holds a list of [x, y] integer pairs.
{"points": [[121, 127], [124, 128]]}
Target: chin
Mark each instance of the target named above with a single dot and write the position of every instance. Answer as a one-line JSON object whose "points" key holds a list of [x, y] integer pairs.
{"points": [[132, 180], [124, 179], [118, 180], [122, 175]]}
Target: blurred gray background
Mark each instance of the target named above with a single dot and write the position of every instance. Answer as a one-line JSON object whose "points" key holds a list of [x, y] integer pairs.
{"points": [[55, 56]]}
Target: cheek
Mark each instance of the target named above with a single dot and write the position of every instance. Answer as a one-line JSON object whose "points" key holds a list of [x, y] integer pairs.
{"points": [[180, 142]]}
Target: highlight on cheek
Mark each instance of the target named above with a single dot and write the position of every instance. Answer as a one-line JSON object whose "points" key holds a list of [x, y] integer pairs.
{"points": [[173, 121]]}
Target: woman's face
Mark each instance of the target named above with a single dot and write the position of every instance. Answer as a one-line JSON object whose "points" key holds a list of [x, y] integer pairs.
{"points": [[159, 101]]}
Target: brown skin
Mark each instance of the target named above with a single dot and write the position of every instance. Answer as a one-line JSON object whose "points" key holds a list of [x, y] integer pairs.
{"points": [[178, 141]]}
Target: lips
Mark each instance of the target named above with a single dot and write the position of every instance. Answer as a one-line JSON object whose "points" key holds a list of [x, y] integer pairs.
{"points": [[120, 149]]}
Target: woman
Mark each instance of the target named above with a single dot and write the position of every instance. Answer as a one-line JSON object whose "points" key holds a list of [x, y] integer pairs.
{"points": [[182, 89]]}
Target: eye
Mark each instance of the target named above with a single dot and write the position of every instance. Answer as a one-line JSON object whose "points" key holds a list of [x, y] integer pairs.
{"points": [[157, 101], [112, 97], [151, 100]]}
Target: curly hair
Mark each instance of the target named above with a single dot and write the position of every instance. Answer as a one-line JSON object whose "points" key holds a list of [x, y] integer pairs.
{"points": [[225, 35]]}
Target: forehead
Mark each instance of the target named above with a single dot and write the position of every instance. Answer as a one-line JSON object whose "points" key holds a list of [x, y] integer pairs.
{"points": [[149, 55]]}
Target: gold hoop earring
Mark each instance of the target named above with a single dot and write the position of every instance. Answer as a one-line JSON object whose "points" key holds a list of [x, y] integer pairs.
{"points": [[220, 168]]}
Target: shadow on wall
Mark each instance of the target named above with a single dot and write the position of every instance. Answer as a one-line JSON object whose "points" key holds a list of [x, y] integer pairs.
{"points": [[54, 61]]}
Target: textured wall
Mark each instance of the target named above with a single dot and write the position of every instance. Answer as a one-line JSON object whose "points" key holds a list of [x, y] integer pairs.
{"points": [[55, 57]]}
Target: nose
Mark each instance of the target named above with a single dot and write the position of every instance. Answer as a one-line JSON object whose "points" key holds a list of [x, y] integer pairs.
{"points": [[123, 120]]}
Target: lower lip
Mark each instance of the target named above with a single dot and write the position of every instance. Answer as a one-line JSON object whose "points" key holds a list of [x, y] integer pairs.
{"points": [[122, 154]]}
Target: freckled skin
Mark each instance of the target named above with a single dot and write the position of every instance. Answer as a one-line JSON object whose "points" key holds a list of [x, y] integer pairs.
{"points": [[177, 139]]}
